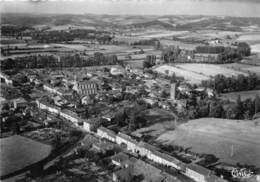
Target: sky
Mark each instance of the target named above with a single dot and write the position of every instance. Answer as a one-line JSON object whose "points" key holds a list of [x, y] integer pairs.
{"points": [[238, 8]]}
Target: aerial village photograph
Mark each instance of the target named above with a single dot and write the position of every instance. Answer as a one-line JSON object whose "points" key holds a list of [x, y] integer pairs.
{"points": [[130, 91]]}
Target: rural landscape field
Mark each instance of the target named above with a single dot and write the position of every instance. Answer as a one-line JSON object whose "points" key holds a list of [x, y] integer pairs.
{"points": [[219, 136], [130, 91]]}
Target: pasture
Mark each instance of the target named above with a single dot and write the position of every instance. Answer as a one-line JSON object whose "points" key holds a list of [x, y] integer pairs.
{"points": [[232, 96], [18, 152], [209, 70], [232, 141], [191, 77]]}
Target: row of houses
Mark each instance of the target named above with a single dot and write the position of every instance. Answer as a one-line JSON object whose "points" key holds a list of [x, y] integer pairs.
{"points": [[66, 114], [194, 171]]}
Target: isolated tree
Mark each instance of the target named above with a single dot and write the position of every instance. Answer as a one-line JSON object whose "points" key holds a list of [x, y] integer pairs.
{"points": [[257, 104], [239, 108]]}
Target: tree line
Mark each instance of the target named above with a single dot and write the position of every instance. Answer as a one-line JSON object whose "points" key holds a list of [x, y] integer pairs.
{"points": [[223, 84], [241, 109], [50, 61], [225, 54]]}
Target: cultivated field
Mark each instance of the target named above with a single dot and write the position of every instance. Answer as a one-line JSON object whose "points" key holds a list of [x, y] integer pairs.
{"points": [[182, 45], [163, 34], [232, 96], [18, 152], [255, 69], [248, 66], [231, 141], [191, 77], [209, 69], [255, 48]]}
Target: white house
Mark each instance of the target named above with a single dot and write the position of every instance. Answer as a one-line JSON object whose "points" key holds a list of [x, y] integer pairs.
{"points": [[87, 126], [70, 115], [106, 133], [198, 173], [131, 144]]}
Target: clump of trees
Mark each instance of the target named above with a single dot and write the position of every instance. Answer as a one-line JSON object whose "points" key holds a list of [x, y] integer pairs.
{"points": [[241, 109], [223, 84], [63, 36], [132, 117]]}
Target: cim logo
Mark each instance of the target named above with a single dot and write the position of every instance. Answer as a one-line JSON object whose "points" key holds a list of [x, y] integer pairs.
{"points": [[241, 173]]}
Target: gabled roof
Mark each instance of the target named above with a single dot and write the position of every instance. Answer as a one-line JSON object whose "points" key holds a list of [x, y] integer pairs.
{"points": [[108, 131], [199, 169], [126, 137], [120, 157], [167, 157], [147, 146]]}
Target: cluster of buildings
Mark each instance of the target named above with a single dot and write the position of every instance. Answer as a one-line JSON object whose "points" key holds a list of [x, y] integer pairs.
{"points": [[141, 148]]}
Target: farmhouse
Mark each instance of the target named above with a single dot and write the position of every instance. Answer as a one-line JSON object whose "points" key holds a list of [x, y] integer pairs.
{"points": [[106, 133]]}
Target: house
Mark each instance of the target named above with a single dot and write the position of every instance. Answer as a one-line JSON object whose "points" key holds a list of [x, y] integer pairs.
{"points": [[19, 102], [150, 101], [106, 133], [87, 125], [145, 149], [184, 89], [121, 159], [70, 115], [123, 139], [51, 89], [166, 160], [197, 173], [59, 101], [108, 116], [87, 100], [46, 106]]}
